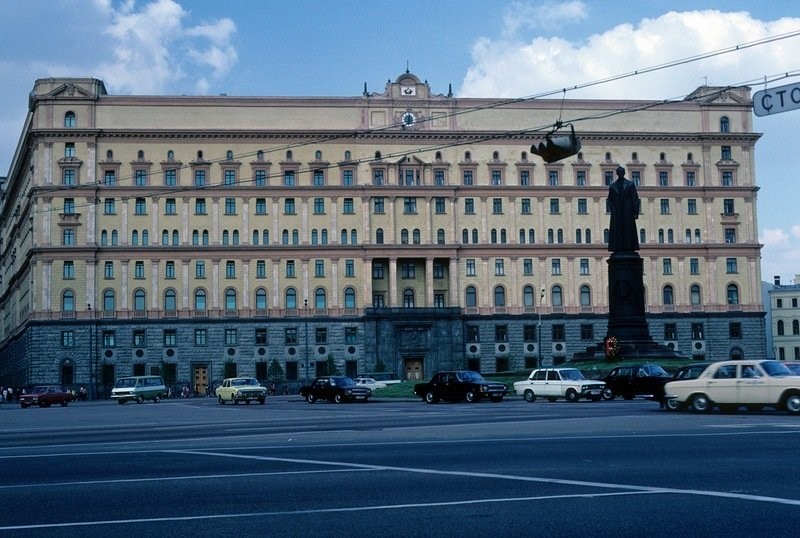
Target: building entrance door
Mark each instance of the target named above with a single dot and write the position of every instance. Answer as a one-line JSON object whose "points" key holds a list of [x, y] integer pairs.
{"points": [[414, 369], [201, 380]]}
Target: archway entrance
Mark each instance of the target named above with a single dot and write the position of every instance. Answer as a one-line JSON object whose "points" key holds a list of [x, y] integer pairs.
{"points": [[67, 372], [200, 380], [413, 369]]}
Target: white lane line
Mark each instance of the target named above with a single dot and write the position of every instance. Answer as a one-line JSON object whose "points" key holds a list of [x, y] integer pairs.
{"points": [[405, 506], [561, 481]]}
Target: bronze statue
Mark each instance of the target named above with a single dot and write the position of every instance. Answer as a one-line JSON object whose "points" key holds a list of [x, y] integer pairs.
{"points": [[624, 205]]}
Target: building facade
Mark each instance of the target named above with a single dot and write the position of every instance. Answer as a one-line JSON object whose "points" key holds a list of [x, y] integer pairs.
{"points": [[785, 320], [401, 230]]}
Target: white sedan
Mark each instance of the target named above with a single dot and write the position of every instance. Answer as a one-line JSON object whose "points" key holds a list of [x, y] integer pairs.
{"points": [[554, 383], [732, 384], [370, 383]]}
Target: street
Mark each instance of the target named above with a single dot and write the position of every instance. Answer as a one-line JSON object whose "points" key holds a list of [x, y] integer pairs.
{"points": [[399, 468]]}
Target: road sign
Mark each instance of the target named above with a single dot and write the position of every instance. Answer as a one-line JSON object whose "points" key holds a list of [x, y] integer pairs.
{"points": [[776, 100]]}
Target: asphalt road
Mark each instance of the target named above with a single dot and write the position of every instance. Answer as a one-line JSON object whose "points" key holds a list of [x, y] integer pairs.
{"points": [[396, 468]]}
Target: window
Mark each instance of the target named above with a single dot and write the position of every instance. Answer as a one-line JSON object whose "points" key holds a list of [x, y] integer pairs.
{"points": [[559, 332], [731, 265], [230, 206], [230, 269], [499, 296], [724, 125], [725, 153], [694, 266], [697, 331], [261, 177], [665, 206], [109, 270], [200, 300], [109, 339], [497, 177], [670, 331], [199, 178], [583, 207], [319, 268], [555, 266], [735, 330], [587, 331], [68, 270], [170, 338], [733, 294], [580, 178], [499, 267], [200, 269], [261, 269], [378, 205], [68, 237], [409, 205], [169, 270], [636, 177], [230, 337], [261, 206], [663, 178], [730, 235], [170, 207], [200, 337], [525, 178], [288, 206], [468, 177], [695, 297], [554, 209], [585, 296], [525, 206], [290, 269], [667, 265], [288, 178], [527, 266], [377, 177], [668, 295], [691, 206], [261, 337], [497, 206], [407, 270], [170, 177], [110, 206], [200, 206], [552, 178], [347, 206], [728, 206], [470, 267], [584, 266], [469, 206]]}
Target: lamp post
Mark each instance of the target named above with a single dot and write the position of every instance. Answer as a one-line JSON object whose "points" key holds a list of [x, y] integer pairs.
{"points": [[305, 313], [92, 366], [539, 328]]}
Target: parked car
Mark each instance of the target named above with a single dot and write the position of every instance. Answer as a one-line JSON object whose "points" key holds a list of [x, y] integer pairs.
{"points": [[636, 380], [690, 371], [387, 378], [138, 389], [45, 396], [732, 384], [335, 389], [460, 385], [241, 389], [554, 383], [370, 383], [793, 367]]}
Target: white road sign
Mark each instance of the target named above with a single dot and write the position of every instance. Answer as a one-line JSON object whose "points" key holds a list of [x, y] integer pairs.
{"points": [[776, 100]]}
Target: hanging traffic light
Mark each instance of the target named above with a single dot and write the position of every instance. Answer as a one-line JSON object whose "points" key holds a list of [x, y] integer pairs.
{"points": [[555, 148]]}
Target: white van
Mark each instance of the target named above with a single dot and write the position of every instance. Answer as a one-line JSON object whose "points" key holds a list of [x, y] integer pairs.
{"points": [[138, 389]]}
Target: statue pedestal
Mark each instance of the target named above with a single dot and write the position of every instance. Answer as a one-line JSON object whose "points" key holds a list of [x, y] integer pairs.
{"points": [[626, 314]]}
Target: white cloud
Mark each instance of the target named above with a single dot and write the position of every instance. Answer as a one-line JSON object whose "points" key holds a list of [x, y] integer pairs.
{"points": [[510, 67], [153, 49], [519, 16], [796, 230], [774, 238]]}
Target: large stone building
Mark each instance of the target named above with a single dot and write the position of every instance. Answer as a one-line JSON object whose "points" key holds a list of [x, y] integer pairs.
{"points": [[405, 230], [785, 320]]}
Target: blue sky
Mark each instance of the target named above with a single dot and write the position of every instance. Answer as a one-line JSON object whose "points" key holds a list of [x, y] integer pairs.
{"points": [[489, 48]]}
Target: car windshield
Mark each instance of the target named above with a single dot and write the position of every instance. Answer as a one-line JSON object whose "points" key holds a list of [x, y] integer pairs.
{"points": [[470, 376], [794, 368], [572, 375], [125, 383], [39, 390], [243, 382], [342, 381], [775, 369], [655, 371]]}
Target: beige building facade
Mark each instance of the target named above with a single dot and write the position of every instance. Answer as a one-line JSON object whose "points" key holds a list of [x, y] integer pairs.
{"points": [[401, 230]]}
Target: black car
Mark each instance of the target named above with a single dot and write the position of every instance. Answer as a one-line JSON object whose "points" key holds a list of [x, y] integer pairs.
{"points": [[460, 385], [334, 389], [646, 380], [690, 371]]}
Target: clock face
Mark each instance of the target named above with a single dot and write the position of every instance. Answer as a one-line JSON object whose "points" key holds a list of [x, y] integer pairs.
{"points": [[408, 119]]}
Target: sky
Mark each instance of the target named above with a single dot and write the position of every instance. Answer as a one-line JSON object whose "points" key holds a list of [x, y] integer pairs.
{"points": [[482, 48]]}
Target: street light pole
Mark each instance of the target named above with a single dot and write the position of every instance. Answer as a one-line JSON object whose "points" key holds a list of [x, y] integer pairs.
{"points": [[92, 365], [305, 314], [539, 327]]}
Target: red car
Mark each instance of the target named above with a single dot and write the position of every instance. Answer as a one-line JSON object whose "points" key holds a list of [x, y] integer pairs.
{"points": [[45, 396]]}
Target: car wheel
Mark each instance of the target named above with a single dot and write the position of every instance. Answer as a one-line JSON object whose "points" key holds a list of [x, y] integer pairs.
{"points": [[608, 394], [701, 404], [792, 404], [471, 397], [139, 400], [431, 398], [529, 396], [672, 405], [338, 398], [221, 400], [310, 398], [571, 395]]}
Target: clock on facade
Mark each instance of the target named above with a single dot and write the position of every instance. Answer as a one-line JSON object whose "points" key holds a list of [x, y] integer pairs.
{"points": [[408, 119], [408, 90]]}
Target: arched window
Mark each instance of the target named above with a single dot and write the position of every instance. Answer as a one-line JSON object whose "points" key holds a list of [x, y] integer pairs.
{"points": [[499, 296], [587, 236], [578, 236], [502, 236], [522, 237], [265, 237], [724, 125], [314, 237], [661, 235], [68, 301], [139, 300], [531, 236], [349, 298], [560, 236], [255, 237], [229, 155], [343, 240], [261, 299], [205, 237], [475, 236], [135, 238], [170, 300], [225, 237], [556, 296], [733, 294], [403, 236], [235, 236], [200, 299], [781, 328], [694, 295], [320, 299], [285, 237], [291, 298], [104, 238], [528, 296], [109, 301], [795, 327], [642, 236], [69, 119], [176, 238], [668, 295], [551, 238], [605, 236], [195, 237], [353, 237], [415, 236], [586, 296], [295, 237], [465, 236], [324, 237], [440, 236], [697, 235], [379, 236], [470, 297], [145, 238], [670, 236], [408, 298], [688, 238], [170, 155], [230, 299], [165, 237]]}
